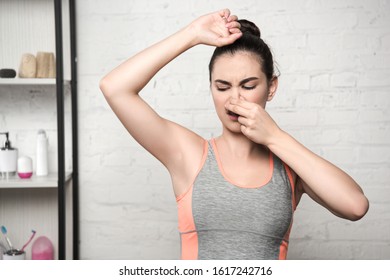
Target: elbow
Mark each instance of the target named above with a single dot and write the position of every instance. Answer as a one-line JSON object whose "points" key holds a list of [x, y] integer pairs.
{"points": [[110, 88], [106, 87], [359, 210]]}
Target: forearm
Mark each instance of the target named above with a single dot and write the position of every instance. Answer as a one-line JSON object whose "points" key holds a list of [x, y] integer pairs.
{"points": [[133, 74], [215, 29], [335, 189]]}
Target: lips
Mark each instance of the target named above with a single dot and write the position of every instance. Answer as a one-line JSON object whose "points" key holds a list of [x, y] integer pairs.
{"points": [[233, 116]]}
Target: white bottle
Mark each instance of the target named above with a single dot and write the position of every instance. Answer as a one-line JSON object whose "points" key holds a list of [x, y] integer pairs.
{"points": [[42, 154]]}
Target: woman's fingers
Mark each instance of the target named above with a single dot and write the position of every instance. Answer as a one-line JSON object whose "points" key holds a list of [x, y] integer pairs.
{"points": [[218, 29], [233, 27], [225, 13], [233, 24], [247, 111], [241, 102], [232, 18], [256, 123], [232, 37], [239, 110], [245, 121]]}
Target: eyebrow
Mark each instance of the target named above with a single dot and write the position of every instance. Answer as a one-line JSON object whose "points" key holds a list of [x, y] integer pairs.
{"points": [[244, 81]]}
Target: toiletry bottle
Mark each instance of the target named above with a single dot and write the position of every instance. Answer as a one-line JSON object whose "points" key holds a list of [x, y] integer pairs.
{"points": [[25, 167], [42, 154], [8, 158]]}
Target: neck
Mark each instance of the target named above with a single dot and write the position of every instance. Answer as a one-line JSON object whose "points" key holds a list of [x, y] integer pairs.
{"points": [[238, 145]]}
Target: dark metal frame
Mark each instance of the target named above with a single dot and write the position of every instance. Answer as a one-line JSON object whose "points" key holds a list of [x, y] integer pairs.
{"points": [[61, 130], [73, 55]]}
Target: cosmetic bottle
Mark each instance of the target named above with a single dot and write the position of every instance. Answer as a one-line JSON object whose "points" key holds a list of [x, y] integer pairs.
{"points": [[42, 154], [25, 167], [8, 158]]}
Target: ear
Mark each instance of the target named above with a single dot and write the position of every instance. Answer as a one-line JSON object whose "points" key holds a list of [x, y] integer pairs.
{"points": [[273, 86]]}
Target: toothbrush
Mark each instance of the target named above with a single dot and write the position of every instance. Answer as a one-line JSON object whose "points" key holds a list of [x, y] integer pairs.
{"points": [[2, 246], [28, 242], [4, 231]]}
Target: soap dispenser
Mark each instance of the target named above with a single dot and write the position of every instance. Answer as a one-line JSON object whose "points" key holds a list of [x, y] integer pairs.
{"points": [[8, 158]]}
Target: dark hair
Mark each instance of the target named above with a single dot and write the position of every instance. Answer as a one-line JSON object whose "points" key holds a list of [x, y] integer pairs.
{"points": [[250, 41]]}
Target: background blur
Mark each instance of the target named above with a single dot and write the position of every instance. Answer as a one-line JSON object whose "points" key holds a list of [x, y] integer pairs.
{"points": [[334, 95]]}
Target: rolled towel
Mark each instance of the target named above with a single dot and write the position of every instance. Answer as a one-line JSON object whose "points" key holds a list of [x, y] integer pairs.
{"points": [[46, 67], [28, 66]]}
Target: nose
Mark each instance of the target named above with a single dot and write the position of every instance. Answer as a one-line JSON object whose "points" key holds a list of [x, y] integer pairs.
{"points": [[235, 92]]}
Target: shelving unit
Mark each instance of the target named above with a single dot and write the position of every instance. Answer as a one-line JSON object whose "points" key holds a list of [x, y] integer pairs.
{"points": [[62, 185], [49, 181], [31, 82]]}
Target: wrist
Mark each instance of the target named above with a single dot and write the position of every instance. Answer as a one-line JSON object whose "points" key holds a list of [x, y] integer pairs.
{"points": [[276, 138], [191, 35]]}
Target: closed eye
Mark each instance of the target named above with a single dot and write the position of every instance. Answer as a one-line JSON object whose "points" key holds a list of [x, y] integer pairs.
{"points": [[248, 87], [222, 88], [222, 85]]}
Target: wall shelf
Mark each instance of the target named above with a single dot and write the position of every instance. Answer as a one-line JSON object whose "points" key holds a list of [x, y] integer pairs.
{"points": [[50, 181], [30, 82]]}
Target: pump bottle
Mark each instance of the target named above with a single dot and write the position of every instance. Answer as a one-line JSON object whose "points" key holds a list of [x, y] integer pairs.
{"points": [[8, 158], [42, 154]]}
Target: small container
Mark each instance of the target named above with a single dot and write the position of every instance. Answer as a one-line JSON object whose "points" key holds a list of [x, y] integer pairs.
{"points": [[8, 158], [42, 249], [25, 167], [14, 255]]}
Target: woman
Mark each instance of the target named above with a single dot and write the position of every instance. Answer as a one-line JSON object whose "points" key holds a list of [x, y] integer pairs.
{"points": [[236, 193]]}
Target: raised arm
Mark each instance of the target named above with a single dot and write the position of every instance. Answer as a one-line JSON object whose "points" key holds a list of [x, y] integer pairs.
{"points": [[168, 142]]}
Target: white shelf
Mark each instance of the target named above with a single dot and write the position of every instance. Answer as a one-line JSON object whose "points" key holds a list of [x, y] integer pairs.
{"points": [[50, 181], [36, 81]]}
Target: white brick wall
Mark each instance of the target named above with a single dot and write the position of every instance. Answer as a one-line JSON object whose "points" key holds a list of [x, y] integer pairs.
{"points": [[334, 58]]}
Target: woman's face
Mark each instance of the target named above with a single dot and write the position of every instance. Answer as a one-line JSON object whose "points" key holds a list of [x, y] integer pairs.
{"points": [[239, 76]]}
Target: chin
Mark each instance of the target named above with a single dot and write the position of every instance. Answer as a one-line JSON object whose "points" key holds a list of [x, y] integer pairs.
{"points": [[234, 127], [231, 125]]}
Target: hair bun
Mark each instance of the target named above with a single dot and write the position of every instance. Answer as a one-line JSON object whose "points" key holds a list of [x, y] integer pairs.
{"points": [[248, 27]]}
